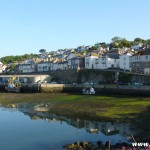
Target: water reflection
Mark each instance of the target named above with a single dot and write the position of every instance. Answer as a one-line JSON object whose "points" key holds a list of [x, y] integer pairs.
{"points": [[38, 129], [37, 112]]}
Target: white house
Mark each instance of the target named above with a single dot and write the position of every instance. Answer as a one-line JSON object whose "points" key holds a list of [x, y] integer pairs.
{"points": [[124, 61], [43, 67], [90, 62], [109, 60], [102, 62], [112, 60]]}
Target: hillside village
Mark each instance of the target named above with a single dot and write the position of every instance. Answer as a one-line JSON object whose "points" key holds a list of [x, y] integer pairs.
{"points": [[129, 58]]}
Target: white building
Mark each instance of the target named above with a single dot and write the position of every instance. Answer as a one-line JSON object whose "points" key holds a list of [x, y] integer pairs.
{"points": [[106, 61], [124, 62], [90, 62], [112, 60]]}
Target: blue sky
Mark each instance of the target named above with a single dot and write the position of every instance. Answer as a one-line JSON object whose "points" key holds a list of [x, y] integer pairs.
{"points": [[26, 26]]}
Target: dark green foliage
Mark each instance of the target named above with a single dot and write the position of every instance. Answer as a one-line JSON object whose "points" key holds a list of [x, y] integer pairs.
{"points": [[138, 40], [92, 48], [42, 51], [12, 59]]}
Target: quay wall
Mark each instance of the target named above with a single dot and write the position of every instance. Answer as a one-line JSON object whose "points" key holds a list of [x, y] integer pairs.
{"points": [[100, 89], [25, 88]]}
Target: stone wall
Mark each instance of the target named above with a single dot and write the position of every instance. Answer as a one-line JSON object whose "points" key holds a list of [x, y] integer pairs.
{"points": [[65, 76], [100, 89], [109, 77]]}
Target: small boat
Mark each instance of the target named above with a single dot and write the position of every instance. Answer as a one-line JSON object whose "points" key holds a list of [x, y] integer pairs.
{"points": [[89, 91], [12, 88], [92, 130]]}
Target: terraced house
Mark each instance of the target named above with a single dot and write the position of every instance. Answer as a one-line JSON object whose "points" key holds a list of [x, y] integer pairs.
{"points": [[140, 62]]}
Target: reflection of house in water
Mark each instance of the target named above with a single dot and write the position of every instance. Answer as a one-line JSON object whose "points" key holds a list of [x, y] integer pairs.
{"points": [[109, 128], [41, 116], [76, 123]]}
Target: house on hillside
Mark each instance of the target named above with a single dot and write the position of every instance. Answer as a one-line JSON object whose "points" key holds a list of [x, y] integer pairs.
{"points": [[64, 65], [147, 44], [140, 62], [137, 46], [59, 64], [82, 48], [43, 67], [109, 60], [90, 61], [76, 63], [29, 66], [124, 61]]}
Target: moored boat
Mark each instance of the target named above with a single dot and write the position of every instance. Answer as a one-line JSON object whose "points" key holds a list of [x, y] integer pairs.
{"points": [[88, 90], [12, 88]]}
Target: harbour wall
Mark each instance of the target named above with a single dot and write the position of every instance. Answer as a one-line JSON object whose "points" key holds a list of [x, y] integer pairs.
{"points": [[68, 88], [100, 89]]}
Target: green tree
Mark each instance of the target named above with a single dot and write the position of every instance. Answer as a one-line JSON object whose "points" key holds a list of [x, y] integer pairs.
{"points": [[11, 59], [116, 39], [103, 45], [42, 51], [138, 41], [125, 43]]}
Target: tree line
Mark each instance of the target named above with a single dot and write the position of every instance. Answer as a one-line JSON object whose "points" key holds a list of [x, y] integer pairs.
{"points": [[17, 58]]}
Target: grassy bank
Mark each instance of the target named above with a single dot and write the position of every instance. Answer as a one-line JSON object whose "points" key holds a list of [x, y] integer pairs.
{"points": [[122, 108]]}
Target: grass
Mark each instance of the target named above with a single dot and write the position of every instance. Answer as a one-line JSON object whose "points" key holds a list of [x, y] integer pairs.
{"points": [[118, 107]]}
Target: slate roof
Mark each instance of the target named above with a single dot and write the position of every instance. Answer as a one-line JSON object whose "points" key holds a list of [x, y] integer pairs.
{"points": [[113, 55]]}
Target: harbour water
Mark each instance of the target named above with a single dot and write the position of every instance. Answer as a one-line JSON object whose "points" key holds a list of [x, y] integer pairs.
{"points": [[23, 129]]}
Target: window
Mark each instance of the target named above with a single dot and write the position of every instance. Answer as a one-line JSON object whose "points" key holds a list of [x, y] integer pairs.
{"points": [[96, 61], [146, 57]]}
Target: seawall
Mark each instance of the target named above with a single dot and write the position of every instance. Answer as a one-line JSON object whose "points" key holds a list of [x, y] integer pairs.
{"points": [[100, 89]]}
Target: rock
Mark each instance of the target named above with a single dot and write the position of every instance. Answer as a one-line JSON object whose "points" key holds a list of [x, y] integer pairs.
{"points": [[107, 145], [99, 143], [118, 145], [70, 146]]}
